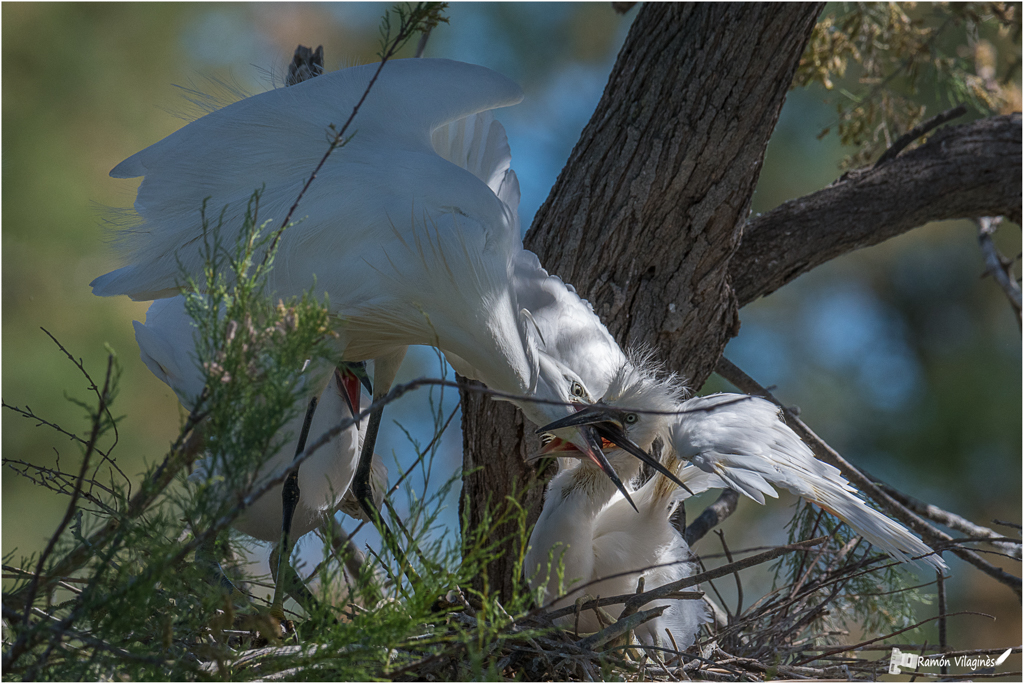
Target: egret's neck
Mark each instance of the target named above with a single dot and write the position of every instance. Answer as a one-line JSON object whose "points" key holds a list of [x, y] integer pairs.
{"points": [[588, 485], [491, 347]]}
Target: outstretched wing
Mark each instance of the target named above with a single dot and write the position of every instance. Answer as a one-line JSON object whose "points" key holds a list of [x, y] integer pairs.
{"points": [[743, 441], [273, 141]]}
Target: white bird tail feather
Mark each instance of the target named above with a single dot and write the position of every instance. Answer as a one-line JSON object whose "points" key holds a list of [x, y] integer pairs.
{"points": [[743, 440]]}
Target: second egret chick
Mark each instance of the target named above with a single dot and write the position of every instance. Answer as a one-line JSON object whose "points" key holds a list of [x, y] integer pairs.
{"points": [[604, 546]]}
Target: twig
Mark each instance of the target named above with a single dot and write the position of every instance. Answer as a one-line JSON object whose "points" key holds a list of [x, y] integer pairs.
{"points": [[69, 513], [843, 649], [620, 627], [941, 599], [954, 521], [739, 582], [60, 482], [637, 600], [28, 413], [405, 31], [997, 521], [919, 130], [932, 536], [712, 516], [1000, 268], [180, 453], [95, 390]]}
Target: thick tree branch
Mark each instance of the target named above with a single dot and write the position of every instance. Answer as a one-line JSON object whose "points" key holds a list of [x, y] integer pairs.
{"points": [[712, 516], [962, 172], [652, 200]]}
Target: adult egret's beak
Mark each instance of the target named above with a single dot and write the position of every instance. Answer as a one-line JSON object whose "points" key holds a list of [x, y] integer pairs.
{"points": [[606, 423], [584, 443], [358, 368]]}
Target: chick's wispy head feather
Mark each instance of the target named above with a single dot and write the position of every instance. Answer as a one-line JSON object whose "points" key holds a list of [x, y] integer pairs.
{"points": [[642, 383], [647, 395]]}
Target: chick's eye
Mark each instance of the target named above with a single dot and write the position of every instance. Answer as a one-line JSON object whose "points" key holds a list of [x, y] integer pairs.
{"points": [[577, 390], [630, 418]]}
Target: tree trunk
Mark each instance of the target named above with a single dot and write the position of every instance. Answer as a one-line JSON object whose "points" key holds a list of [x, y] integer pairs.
{"points": [[649, 209]]}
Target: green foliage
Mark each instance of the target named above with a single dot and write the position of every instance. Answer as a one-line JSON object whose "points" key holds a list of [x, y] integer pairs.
{"points": [[144, 605], [253, 356], [864, 590], [886, 61], [423, 17], [131, 555], [133, 588]]}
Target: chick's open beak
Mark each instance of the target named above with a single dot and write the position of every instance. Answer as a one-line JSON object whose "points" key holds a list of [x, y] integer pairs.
{"points": [[584, 443], [605, 423]]}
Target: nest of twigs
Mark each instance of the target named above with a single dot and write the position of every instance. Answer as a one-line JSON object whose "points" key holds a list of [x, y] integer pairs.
{"points": [[790, 633]]}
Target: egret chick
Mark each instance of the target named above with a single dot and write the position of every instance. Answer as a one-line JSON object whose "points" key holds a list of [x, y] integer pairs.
{"points": [[604, 546]]}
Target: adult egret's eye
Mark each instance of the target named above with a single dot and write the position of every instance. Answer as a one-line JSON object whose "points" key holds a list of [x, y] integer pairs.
{"points": [[630, 418], [578, 391]]}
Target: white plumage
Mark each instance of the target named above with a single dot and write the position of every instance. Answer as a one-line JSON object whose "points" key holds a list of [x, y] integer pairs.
{"points": [[410, 229], [167, 344], [589, 531], [743, 440]]}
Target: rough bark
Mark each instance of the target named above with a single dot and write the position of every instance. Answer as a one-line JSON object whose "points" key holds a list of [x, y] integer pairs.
{"points": [[651, 205], [961, 172]]}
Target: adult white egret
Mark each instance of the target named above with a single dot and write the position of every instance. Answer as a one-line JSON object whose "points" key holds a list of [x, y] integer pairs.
{"points": [[742, 440], [167, 344], [409, 247]]}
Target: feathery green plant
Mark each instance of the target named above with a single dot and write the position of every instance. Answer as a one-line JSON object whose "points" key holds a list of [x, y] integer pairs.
{"points": [[866, 590]]}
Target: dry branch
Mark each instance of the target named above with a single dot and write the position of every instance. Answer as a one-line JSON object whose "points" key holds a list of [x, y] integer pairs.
{"points": [[712, 516], [998, 266], [635, 601], [954, 521]]}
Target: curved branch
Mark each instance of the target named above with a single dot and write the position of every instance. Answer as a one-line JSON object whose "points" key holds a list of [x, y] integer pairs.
{"points": [[962, 172]]}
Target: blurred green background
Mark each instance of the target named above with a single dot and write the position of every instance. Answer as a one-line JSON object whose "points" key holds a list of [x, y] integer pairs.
{"points": [[901, 356]]}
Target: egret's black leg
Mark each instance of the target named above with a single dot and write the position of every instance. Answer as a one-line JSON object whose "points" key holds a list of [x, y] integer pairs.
{"points": [[361, 486], [289, 500], [207, 559], [361, 481]]}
